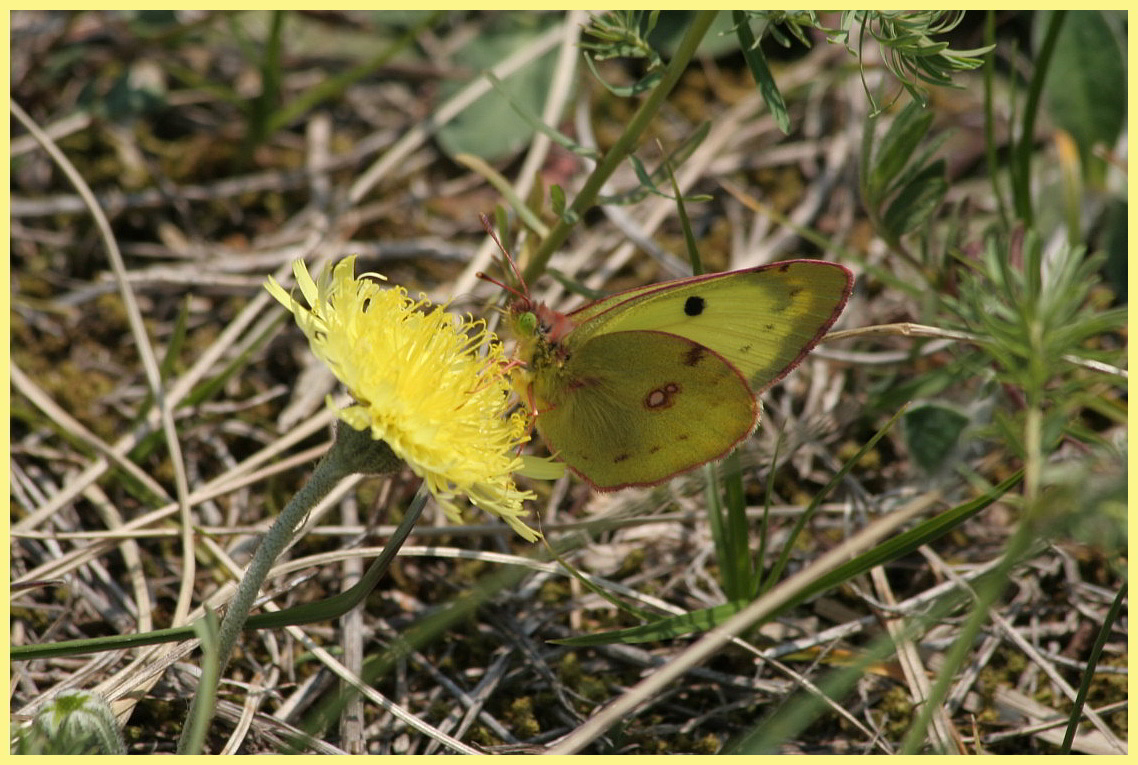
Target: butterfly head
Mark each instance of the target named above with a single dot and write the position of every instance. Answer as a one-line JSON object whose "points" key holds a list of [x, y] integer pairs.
{"points": [[539, 330], [538, 323], [525, 322]]}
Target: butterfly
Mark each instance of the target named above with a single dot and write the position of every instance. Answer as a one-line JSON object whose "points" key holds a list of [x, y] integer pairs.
{"points": [[639, 386]]}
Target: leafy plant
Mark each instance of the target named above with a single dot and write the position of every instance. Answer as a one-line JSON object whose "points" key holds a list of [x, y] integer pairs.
{"points": [[901, 186], [903, 37]]}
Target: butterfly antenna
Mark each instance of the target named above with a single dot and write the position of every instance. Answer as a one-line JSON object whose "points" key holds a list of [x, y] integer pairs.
{"points": [[506, 256], [487, 278]]}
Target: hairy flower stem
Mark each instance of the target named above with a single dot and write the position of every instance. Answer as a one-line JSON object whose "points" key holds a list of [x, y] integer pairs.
{"points": [[352, 452]]}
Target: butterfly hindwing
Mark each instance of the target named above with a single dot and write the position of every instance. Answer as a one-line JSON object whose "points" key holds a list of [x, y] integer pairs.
{"points": [[680, 405]]}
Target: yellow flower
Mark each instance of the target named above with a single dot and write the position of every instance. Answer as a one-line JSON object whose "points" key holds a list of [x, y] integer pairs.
{"points": [[432, 387]]}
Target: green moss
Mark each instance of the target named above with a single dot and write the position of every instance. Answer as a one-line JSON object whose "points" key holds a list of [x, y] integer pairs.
{"points": [[480, 735], [709, 744], [520, 715], [569, 669], [896, 712], [593, 688]]}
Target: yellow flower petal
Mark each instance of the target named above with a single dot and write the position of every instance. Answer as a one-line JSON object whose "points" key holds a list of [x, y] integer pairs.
{"points": [[433, 387]]}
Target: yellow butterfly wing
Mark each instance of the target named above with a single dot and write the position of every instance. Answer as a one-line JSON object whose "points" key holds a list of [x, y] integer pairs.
{"points": [[634, 408], [762, 320]]}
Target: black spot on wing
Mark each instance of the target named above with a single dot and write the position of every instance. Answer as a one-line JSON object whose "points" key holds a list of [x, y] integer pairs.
{"points": [[694, 305]]}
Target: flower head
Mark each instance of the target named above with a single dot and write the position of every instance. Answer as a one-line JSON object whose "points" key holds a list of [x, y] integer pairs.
{"points": [[432, 387]]}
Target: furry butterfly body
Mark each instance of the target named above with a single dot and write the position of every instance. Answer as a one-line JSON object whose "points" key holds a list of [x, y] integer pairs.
{"points": [[636, 387]]}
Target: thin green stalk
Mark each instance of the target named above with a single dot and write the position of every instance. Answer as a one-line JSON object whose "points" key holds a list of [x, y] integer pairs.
{"points": [[764, 528], [624, 145], [990, 119], [736, 571], [1021, 163], [197, 726], [265, 102], [1092, 662]]}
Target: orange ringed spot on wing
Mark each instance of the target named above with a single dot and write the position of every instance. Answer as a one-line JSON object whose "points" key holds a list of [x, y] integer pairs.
{"points": [[662, 397]]}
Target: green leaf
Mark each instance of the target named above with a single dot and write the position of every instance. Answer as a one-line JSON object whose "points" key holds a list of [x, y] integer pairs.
{"points": [[557, 200], [909, 541], [649, 184], [1085, 89], [689, 242], [572, 285], [136, 93], [1117, 255], [897, 147], [932, 432], [621, 34], [891, 391], [753, 55], [489, 128], [918, 160], [645, 83], [917, 200], [532, 119]]}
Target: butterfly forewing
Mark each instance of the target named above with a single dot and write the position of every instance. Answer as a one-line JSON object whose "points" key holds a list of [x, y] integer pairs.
{"points": [[763, 321]]}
